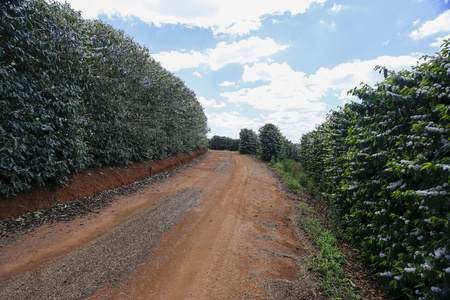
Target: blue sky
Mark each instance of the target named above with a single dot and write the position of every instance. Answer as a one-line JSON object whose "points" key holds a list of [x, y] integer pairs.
{"points": [[283, 62]]}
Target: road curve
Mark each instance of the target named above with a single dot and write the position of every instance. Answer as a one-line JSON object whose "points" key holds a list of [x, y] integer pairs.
{"points": [[217, 230]]}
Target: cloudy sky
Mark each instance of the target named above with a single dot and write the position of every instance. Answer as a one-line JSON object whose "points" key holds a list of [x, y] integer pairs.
{"points": [[287, 62]]}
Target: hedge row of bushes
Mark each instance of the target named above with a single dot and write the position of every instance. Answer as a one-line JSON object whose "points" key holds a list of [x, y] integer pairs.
{"points": [[384, 165], [77, 93], [269, 144], [223, 143], [248, 142], [274, 146]]}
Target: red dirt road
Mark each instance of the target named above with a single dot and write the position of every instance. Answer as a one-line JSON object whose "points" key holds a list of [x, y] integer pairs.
{"points": [[234, 240]]}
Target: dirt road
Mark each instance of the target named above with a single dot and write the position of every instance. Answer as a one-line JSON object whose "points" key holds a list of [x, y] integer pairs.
{"points": [[217, 230]]}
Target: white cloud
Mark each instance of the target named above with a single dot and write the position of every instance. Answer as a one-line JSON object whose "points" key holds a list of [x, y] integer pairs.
{"points": [[439, 25], [270, 72], [210, 103], [283, 89], [337, 7], [231, 16], [416, 22], [439, 41], [294, 101], [244, 51], [175, 60], [231, 124], [240, 28], [227, 83], [293, 124], [197, 74], [286, 89], [350, 74], [275, 99]]}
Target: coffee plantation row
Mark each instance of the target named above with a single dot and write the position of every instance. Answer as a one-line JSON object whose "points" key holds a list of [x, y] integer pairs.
{"points": [[77, 93], [223, 143], [384, 166]]}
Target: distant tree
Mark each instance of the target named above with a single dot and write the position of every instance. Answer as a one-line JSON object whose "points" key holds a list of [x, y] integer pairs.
{"points": [[223, 143], [271, 142], [248, 143], [289, 150]]}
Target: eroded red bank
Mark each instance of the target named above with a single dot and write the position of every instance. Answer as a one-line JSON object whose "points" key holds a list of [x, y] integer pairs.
{"points": [[90, 182]]}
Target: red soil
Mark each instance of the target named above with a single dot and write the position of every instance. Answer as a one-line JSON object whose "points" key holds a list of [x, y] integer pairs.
{"points": [[88, 183]]}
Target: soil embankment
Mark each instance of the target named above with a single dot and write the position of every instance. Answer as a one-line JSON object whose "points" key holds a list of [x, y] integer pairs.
{"points": [[88, 183]]}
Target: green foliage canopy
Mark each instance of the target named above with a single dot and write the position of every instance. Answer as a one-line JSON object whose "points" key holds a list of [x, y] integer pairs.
{"points": [[248, 142], [223, 143], [78, 93], [271, 141], [289, 150], [384, 164]]}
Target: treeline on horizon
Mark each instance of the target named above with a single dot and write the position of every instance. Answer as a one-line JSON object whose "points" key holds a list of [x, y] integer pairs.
{"points": [[78, 93], [269, 144]]}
